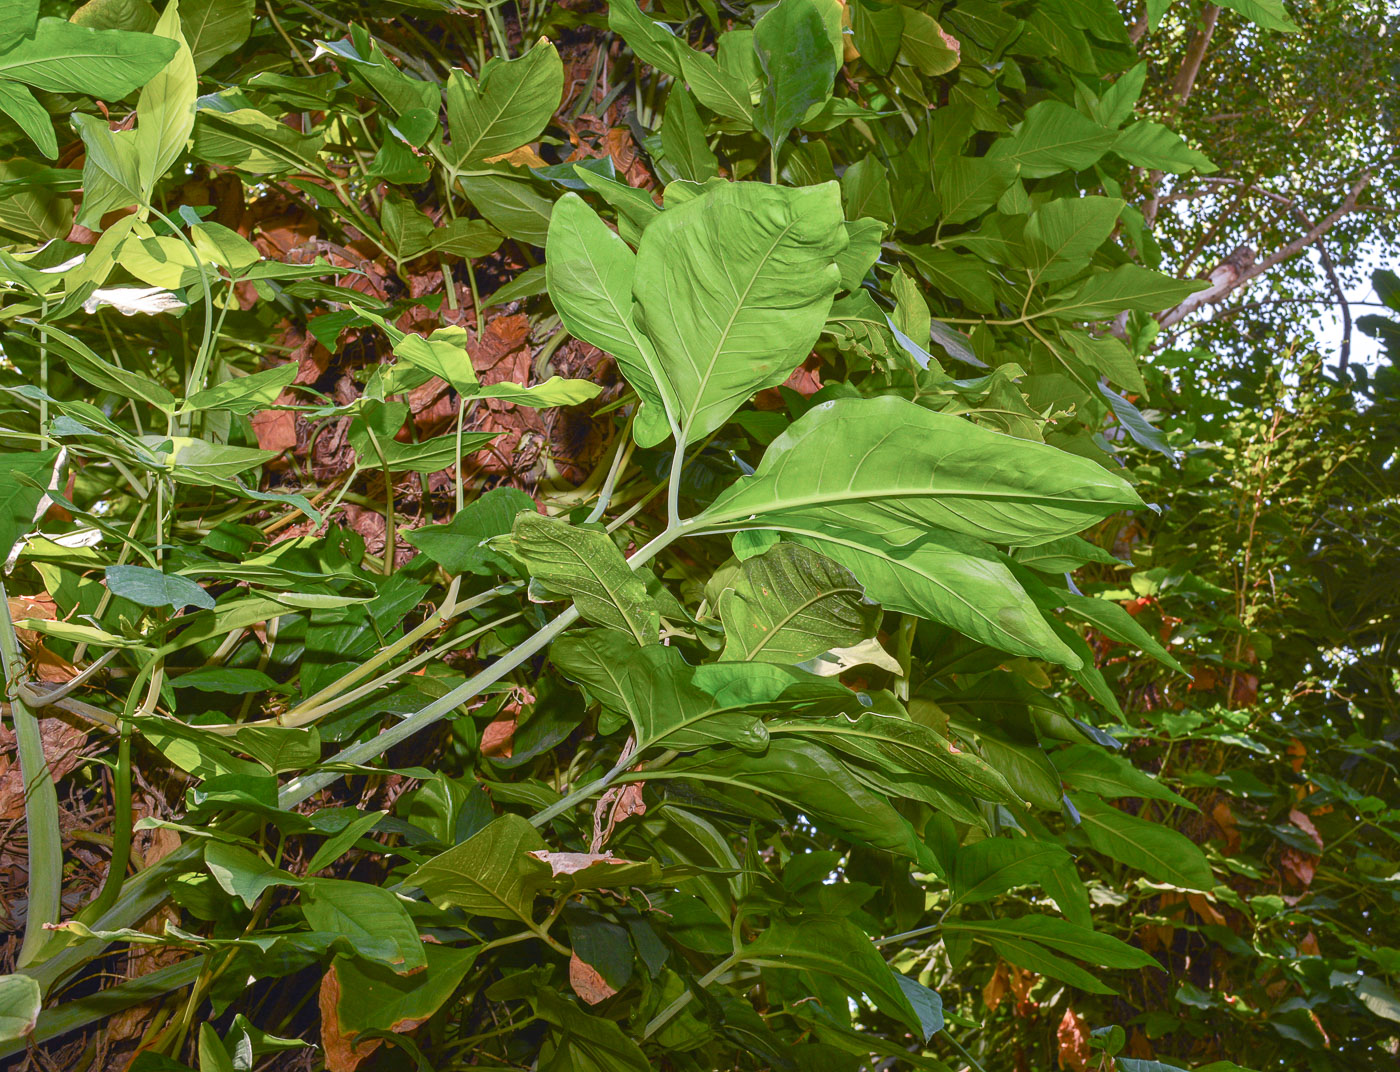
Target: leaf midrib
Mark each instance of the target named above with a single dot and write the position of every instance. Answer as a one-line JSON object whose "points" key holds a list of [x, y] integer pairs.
{"points": [[704, 381]]}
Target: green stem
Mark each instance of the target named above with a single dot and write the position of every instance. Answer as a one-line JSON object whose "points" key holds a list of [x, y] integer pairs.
{"points": [[962, 1052], [121, 789], [663, 1017], [40, 801], [148, 890]]}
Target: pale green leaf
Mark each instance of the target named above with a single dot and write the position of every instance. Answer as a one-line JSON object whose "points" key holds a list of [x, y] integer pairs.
{"points": [[506, 108], [64, 58], [590, 272], [893, 469], [165, 112], [733, 288]]}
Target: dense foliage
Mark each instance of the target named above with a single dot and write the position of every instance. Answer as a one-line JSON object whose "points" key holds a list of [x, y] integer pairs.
{"points": [[581, 537]]}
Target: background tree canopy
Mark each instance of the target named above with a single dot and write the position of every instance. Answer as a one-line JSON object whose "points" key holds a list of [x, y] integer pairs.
{"points": [[785, 536]]}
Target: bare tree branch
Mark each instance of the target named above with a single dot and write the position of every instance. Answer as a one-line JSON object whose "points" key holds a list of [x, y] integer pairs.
{"points": [[1181, 88], [1195, 54], [1240, 267]]}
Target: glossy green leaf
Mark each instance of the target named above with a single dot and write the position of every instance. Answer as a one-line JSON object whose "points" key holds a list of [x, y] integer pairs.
{"points": [[152, 588], [590, 272]]}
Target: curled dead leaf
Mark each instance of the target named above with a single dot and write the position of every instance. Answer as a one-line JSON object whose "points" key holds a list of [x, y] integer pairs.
{"points": [[1073, 1037], [570, 863], [586, 981]]}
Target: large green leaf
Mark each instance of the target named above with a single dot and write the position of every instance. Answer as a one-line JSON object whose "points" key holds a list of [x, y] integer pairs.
{"points": [[63, 58], [1053, 138], [1063, 234], [894, 469], [504, 109], [165, 112], [1128, 287], [796, 56], [732, 288], [1151, 145], [510, 203], [654, 687], [992, 866], [590, 272], [214, 28], [1157, 850], [809, 779], [790, 604], [583, 564], [949, 578], [373, 920], [17, 101], [491, 873], [840, 949], [900, 744]]}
